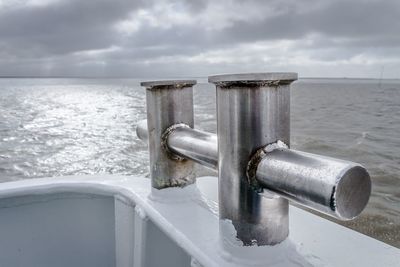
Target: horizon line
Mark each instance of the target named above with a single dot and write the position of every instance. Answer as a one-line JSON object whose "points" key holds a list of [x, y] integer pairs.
{"points": [[169, 77]]}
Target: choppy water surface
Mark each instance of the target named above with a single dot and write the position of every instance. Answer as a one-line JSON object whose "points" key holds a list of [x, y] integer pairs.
{"points": [[53, 127]]}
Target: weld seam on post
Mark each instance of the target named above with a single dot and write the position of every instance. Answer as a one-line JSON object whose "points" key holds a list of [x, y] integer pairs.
{"points": [[250, 84], [164, 140], [256, 158]]}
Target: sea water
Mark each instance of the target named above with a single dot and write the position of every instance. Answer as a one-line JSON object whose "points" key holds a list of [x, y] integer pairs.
{"points": [[54, 127]]}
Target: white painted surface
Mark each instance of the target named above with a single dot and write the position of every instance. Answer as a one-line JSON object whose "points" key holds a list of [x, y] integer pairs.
{"points": [[57, 230], [112, 221], [124, 232]]}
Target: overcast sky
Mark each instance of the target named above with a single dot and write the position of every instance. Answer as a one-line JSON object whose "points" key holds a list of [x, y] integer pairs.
{"points": [[316, 38]]}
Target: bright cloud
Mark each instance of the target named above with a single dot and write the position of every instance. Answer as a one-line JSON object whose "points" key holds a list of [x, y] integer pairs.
{"points": [[197, 38]]}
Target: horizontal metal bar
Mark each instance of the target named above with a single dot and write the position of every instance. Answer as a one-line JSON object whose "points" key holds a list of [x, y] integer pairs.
{"points": [[335, 187], [199, 146], [142, 131], [196, 145]]}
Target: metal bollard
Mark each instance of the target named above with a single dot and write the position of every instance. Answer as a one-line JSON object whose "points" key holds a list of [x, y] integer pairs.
{"points": [[258, 173], [168, 103]]}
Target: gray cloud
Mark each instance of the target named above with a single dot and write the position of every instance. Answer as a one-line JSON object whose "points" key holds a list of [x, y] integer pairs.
{"points": [[63, 27], [358, 20], [144, 38]]}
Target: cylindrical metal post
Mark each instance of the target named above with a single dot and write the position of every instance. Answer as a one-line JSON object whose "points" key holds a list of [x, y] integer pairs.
{"points": [[253, 110], [168, 103]]}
